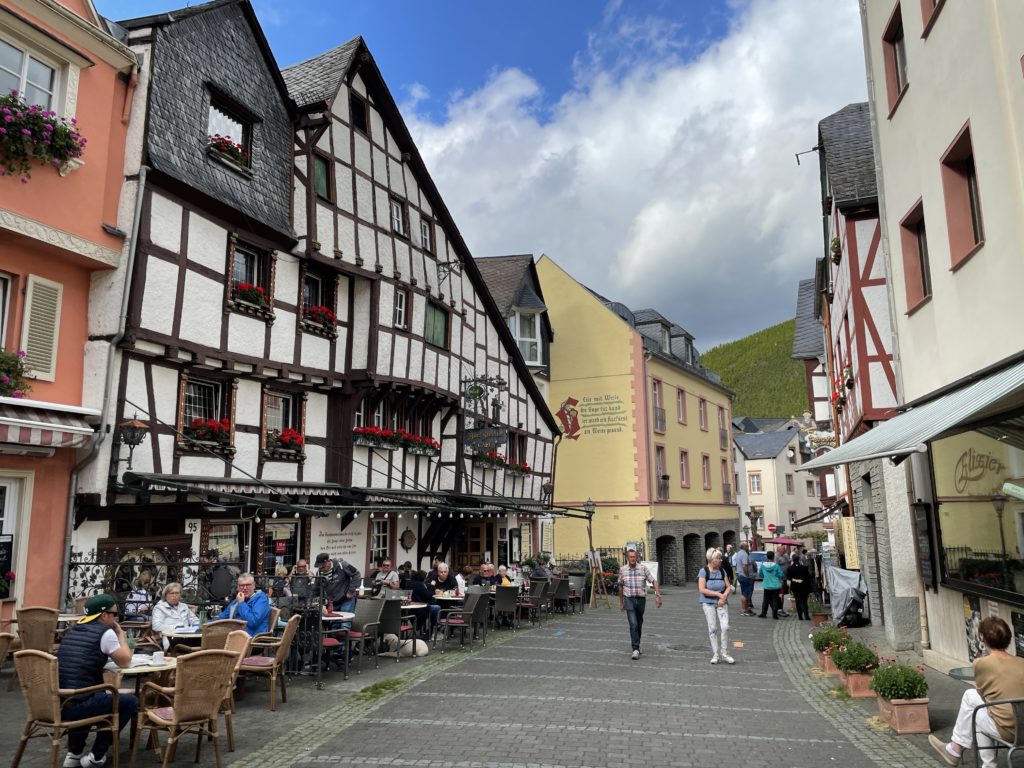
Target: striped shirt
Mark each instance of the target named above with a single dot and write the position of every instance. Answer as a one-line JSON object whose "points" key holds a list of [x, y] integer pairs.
{"points": [[633, 581]]}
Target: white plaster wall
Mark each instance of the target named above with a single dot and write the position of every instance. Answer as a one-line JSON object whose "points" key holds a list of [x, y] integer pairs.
{"points": [[207, 243], [403, 257], [343, 188], [401, 345], [85, 537], [314, 470], [347, 240], [201, 465], [325, 229], [376, 127], [342, 137], [367, 246], [901, 531], [159, 304], [281, 470], [246, 334], [282, 338], [247, 451], [362, 152], [385, 253], [248, 402], [415, 357], [165, 223], [384, 353], [380, 165], [361, 327], [202, 304], [342, 342], [316, 352], [316, 417], [286, 280], [430, 366], [392, 144]]}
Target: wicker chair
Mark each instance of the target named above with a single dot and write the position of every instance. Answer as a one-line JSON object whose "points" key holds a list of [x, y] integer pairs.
{"points": [[505, 604], [37, 672], [6, 640], [273, 666], [271, 633], [214, 635], [37, 627], [238, 642]]}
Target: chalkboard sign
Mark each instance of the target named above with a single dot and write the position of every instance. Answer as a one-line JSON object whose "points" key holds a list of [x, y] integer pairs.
{"points": [[502, 553], [924, 543], [6, 565]]}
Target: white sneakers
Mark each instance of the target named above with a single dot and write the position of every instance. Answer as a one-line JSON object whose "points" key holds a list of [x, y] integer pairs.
{"points": [[636, 655], [726, 658], [84, 760], [714, 659], [73, 761]]}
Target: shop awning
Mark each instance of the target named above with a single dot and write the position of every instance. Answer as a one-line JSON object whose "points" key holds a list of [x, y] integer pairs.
{"points": [[48, 427], [209, 484], [909, 432]]}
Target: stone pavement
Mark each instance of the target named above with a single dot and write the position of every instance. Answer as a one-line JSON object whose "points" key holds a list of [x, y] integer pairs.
{"points": [[567, 694]]}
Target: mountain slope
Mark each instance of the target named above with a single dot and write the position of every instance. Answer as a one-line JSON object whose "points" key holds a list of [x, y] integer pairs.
{"points": [[768, 383]]}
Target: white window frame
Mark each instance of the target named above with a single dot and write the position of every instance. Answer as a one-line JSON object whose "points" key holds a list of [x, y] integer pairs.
{"points": [[378, 416], [397, 208], [6, 281], [702, 413], [359, 417], [684, 468], [401, 314], [681, 406], [19, 485], [257, 268], [29, 51], [705, 470], [30, 328], [665, 340], [319, 282], [380, 539], [517, 331], [790, 485], [426, 235], [754, 479], [287, 410], [217, 400]]}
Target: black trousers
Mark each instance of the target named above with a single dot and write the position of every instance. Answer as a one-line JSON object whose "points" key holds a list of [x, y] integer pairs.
{"points": [[801, 596], [771, 598]]}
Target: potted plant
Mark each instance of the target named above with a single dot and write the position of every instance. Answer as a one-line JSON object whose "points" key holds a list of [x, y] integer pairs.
{"points": [[30, 134], [216, 431], [6, 585], [375, 437], [825, 641], [902, 697], [228, 149], [848, 376], [320, 315], [419, 445], [519, 468], [819, 613], [288, 439], [252, 294], [836, 248], [491, 460], [13, 372], [856, 662]]}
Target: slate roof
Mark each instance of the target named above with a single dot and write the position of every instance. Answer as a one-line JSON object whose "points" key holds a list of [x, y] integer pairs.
{"points": [[644, 316], [808, 341], [849, 157], [751, 426], [317, 79], [763, 445], [505, 276]]}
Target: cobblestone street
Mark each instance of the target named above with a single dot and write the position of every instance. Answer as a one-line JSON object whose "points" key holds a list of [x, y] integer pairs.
{"points": [[568, 694]]}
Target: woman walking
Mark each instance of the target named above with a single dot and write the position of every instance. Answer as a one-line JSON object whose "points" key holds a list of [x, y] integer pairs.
{"points": [[800, 581], [714, 588], [772, 585]]}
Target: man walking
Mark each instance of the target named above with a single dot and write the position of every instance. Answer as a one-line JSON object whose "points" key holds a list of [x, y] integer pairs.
{"points": [[633, 578], [745, 575], [341, 580]]}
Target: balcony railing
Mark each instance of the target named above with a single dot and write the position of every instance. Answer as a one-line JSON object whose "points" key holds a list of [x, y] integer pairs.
{"points": [[659, 419], [727, 493], [663, 489], [723, 438]]}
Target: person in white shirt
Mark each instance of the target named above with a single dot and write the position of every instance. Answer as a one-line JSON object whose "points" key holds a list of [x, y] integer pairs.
{"points": [[170, 613]]}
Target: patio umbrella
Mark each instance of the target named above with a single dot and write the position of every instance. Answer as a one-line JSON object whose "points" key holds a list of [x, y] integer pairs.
{"points": [[785, 541]]}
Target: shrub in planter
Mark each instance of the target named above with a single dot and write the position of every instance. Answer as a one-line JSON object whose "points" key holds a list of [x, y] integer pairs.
{"points": [[30, 134], [253, 294], [902, 697], [226, 146], [12, 375], [856, 662], [819, 613], [825, 640]]}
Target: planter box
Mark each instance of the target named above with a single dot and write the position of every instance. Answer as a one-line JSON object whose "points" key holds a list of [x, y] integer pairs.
{"points": [[857, 684], [365, 441], [905, 715], [817, 619], [826, 664], [423, 450]]}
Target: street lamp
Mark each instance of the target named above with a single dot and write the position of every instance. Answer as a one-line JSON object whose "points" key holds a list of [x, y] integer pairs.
{"points": [[746, 533], [132, 433], [999, 503]]}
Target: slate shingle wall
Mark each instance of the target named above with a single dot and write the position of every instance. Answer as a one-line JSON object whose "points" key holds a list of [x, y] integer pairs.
{"points": [[219, 47]]}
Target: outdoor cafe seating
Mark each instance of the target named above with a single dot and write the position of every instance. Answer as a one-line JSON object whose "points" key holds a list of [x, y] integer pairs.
{"points": [[272, 664]]}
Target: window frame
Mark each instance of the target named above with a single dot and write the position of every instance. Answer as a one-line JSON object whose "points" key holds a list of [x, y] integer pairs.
{"points": [[894, 52], [809, 487], [433, 307], [427, 234], [30, 331], [353, 98], [28, 52], [705, 470], [6, 284], [790, 485], [930, 10], [266, 275], [217, 400], [517, 332], [751, 478], [680, 405], [661, 472], [380, 541], [684, 468], [917, 282], [289, 409], [328, 165], [702, 413], [230, 111], [400, 311], [397, 205], [964, 220]]}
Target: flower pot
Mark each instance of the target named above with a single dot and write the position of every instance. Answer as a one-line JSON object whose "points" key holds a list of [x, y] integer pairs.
{"points": [[857, 684], [826, 664], [370, 443], [817, 619], [905, 715]]}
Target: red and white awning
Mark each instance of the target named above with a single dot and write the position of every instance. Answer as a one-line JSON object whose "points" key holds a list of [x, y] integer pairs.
{"points": [[48, 428]]}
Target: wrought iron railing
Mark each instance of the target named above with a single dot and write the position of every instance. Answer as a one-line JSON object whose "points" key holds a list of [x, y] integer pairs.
{"points": [[723, 438], [662, 489]]}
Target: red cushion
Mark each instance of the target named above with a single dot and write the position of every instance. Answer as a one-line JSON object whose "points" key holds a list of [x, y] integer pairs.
{"points": [[164, 713], [406, 627], [453, 621], [353, 633], [259, 661], [331, 642]]}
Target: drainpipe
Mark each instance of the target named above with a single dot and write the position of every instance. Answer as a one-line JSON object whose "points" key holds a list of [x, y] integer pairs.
{"points": [[100, 436]]}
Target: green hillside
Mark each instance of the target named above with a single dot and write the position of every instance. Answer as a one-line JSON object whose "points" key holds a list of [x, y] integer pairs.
{"points": [[768, 383]]}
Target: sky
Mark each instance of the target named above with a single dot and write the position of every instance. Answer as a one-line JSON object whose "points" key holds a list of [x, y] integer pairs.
{"points": [[647, 146]]}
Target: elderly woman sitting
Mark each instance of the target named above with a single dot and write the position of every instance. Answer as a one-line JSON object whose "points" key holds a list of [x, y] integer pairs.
{"points": [[998, 676], [170, 613]]}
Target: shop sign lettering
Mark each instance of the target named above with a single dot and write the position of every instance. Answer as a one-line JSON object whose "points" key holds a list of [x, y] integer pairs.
{"points": [[972, 466]]}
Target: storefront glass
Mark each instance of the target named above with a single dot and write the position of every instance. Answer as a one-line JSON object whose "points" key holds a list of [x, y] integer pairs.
{"points": [[280, 545]]}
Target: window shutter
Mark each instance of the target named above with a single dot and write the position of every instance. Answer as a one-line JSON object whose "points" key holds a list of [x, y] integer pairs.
{"points": [[41, 326]]}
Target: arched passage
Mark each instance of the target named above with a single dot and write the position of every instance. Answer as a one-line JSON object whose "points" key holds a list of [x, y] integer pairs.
{"points": [[668, 559], [693, 553], [712, 540], [729, 537]]}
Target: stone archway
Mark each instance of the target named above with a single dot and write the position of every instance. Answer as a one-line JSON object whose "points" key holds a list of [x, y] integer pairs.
{"points": [[729, 537], [669, 562], [693, 554], [712, 539]]}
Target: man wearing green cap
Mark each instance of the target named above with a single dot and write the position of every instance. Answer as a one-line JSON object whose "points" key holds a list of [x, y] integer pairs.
{"points": [[83, 653]]}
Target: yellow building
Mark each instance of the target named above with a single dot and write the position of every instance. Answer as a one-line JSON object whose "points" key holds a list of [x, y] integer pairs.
{"points": [[646, 431]]}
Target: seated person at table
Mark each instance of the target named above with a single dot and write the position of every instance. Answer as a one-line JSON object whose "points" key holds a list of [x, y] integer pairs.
{"points": [[998, 676], [444, 581], [279, 587], [139, 603], [386, 576], [81, 657], [486, 576], [250, 606], [540, 572], [421, 594], [462, 579], [503, 579], [170, 613]]}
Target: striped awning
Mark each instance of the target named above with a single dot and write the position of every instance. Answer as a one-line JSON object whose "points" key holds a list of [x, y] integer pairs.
{"points": [[972, 404], [45, 427], [242, 485]]}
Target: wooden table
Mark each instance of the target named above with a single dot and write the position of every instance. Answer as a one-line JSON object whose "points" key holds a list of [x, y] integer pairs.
{"points": [[182, 634]]}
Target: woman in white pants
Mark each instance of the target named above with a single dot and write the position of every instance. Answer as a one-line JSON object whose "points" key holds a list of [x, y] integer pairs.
{"points": [[998, 676], [714, 588]]}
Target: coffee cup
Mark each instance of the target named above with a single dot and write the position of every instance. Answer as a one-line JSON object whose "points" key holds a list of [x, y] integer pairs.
{"points": [[158, 657]]}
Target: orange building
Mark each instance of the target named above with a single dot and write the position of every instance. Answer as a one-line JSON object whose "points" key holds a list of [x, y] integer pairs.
{"points": [[58, 230]]}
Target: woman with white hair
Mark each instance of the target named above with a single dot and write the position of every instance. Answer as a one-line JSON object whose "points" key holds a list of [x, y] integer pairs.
{"points": [[714, 588], [170, 613]]}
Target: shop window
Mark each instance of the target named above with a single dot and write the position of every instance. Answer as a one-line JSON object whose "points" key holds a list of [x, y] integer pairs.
{"points": [[227, 540], [963, 202], [280, 545], [380, 540], [916, 267]]}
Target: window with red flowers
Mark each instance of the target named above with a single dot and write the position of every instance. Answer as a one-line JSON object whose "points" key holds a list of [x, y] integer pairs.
{"points": [[318, 304], [205, 415], [284, 425], [251, 279]]}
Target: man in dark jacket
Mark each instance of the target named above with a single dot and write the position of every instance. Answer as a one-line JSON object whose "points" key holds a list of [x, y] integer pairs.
{"points": [[426, 618], [83, 653], [341, 580]]}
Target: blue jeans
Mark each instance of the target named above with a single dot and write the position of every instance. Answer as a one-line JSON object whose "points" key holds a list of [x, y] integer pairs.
{"points": [[90, 706], [635, 607], [347, 605]]}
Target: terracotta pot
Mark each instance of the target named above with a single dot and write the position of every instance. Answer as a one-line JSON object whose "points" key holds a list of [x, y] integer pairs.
{"points": [[817, 619], [905, 715], [826, 664], [856, 684]]}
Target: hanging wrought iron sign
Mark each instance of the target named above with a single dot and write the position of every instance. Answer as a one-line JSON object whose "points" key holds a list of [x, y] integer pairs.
{"points": [[484, 439]]}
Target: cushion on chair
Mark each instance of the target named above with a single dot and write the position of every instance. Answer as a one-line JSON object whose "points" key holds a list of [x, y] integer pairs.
{"points": [[453, 621], [353, 633], [331, 642], [258, 661], [163, 713]]}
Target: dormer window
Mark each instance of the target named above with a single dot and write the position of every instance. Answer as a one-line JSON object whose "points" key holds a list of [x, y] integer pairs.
{"points": [[666, 341], [228, 134], [525, 326]]}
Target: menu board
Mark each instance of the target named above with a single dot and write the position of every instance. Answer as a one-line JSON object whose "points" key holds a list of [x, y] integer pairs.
{"points": [[924, 544], [6, 565]]}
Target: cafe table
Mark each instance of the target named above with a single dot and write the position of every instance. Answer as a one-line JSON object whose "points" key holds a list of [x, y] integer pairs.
{"points": [[139, 671]]}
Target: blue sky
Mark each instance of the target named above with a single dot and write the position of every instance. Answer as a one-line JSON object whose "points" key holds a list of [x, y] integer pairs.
{"points": [[645, 145]]}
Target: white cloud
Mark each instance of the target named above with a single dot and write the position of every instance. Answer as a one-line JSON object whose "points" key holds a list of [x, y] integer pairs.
{"points": [[665, 177]]}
